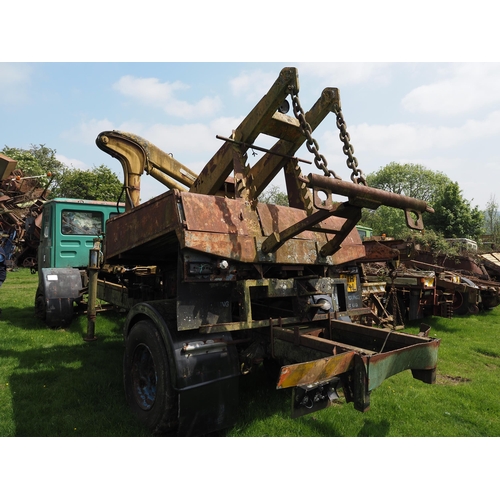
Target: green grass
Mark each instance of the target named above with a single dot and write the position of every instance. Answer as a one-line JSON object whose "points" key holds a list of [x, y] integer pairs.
{"points": [[53, 383]]}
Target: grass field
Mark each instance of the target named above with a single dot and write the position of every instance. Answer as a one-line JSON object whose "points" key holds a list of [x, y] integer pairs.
{"points": [[52, 383]]}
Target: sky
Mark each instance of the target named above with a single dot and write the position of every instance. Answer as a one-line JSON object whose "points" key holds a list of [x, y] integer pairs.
{"points": [[407, 95], [444, 116]]}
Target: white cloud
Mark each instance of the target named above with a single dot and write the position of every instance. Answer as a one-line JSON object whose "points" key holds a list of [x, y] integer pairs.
{"points": [[152, 92], [86, 132], [73, 162], [193, 139], [406, 138], [179, 138], [464, 88], [14, 79], [252, 84], [190, 142], [347, 73]]}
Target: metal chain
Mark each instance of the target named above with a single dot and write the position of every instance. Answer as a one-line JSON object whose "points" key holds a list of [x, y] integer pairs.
{"points": [[357, 175], [312, 145]]}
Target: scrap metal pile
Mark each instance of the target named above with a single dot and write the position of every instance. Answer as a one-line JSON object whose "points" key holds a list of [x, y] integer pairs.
{"points": [[21, 200], [402, 282]]}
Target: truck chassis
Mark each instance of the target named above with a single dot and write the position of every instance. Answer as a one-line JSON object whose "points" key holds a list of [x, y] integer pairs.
{"points": [[216, 283]]}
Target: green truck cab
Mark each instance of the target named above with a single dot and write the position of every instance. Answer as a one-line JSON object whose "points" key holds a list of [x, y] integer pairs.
{"points": [[69, 227]]}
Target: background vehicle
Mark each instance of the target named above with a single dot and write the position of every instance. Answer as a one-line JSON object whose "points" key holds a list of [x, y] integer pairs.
{"points": [[67, 234]]}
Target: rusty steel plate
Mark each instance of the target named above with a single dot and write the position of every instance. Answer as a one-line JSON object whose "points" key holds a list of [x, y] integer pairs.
{"points": [[151, 220], [311, 372], [216, 214], [230, 246], [276, 218]]}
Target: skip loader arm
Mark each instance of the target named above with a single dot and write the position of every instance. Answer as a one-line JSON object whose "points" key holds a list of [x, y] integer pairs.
{"points": [[303, 193], [222, 163], [137, 155]]}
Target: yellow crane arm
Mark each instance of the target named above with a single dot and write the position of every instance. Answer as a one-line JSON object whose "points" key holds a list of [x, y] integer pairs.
{"points": [[137, 155]]}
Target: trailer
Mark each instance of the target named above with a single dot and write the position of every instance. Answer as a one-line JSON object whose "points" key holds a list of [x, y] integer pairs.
{"points": [[216, 283], [461, 284]]}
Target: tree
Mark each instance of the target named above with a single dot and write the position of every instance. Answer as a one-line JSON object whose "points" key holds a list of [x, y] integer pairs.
{"points": [[492, 220], [386, 220], [275, 196], [36, 161], [415, 181], [100, 183], [453, 216]]}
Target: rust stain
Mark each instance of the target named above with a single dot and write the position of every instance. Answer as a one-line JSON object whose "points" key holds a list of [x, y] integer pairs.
{"points": [[311, 372]]}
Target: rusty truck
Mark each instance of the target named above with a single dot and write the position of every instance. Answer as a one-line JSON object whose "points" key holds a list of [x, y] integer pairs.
{"points": [[215, 283]]}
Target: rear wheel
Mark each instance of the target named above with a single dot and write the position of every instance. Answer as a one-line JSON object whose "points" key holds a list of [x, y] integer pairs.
{"points": [[147, 379]]}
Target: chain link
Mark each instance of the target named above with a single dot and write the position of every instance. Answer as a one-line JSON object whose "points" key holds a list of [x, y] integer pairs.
{"points": [[357, 175], [312, 145]]}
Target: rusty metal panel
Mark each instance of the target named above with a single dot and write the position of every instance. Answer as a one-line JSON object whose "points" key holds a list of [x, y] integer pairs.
{"points": [[380, 252], [230, 228], [151, 220], [348, 253], [216, 214], [316, 371], [7, 166], [230, 246], [297, 251], [351, 248], [276, 218]]}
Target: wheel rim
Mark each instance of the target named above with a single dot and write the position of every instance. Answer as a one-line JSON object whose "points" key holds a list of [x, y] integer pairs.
{"points": [[144, 378], [458, 300]]}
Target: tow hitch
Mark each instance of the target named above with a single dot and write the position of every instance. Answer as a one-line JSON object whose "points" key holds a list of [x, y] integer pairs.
{"points": [[313, 397]]}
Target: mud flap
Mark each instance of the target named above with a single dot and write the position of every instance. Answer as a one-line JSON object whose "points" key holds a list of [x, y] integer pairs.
{"points": [[207, 380], [60, 287], [208, 408]]}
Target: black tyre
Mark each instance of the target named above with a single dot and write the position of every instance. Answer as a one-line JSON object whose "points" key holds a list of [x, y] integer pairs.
{"points": [[147, 379], [40, 306]]}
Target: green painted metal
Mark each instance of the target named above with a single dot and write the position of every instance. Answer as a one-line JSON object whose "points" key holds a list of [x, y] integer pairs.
{"points": [[68, 231], [417, 357]]}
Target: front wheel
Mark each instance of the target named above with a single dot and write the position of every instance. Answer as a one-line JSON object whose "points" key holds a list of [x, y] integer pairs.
{"points": [[147, 379]]}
